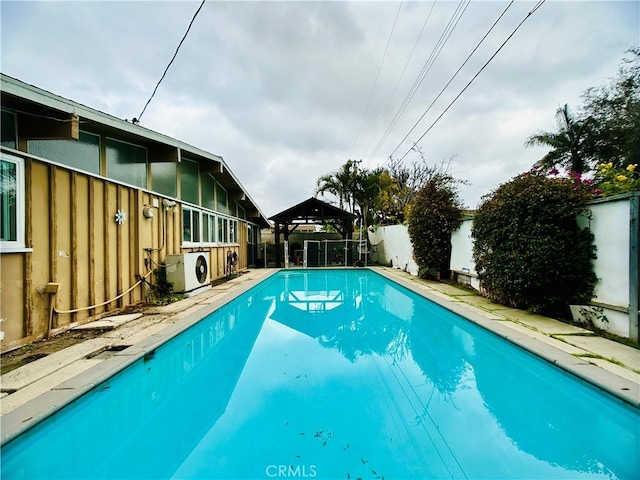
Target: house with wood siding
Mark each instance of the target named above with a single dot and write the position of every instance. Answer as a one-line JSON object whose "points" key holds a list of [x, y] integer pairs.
{"points": [[91, 205]]}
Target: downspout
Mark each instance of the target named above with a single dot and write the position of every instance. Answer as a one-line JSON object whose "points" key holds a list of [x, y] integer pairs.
{"points": [[634, 266]]}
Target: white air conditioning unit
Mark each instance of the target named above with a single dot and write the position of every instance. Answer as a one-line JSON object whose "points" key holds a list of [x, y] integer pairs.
{"points": [[188, 272]]}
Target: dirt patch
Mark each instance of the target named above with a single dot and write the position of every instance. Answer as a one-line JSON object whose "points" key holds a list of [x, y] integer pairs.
{"points": [[21, 356], [24, 355]]}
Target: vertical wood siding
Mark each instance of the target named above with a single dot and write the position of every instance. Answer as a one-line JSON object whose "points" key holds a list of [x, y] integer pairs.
{"points": [[70, 224]]}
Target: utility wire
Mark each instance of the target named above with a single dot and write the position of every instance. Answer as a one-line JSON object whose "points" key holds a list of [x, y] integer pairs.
{"points": [[535, 8], [453, 77], [415, 45], [426, 68], [375, 83], [170, 62]]}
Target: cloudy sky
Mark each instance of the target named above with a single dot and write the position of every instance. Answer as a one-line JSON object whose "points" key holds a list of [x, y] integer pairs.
{"points": [[288, 91]]}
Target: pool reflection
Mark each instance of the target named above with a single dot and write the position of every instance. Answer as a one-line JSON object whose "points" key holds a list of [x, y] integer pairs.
{"points": [[571, 431], [145, 421]]}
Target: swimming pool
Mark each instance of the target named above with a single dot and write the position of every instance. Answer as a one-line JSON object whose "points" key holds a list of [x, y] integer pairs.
{"points": [[334, 374]]}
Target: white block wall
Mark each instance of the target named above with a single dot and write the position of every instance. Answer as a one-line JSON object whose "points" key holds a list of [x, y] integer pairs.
{"points": [[392, 244]]}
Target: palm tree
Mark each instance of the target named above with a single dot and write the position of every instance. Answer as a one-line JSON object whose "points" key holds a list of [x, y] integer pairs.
{"points": [[366, 194], [340, 183], [568, 144]]}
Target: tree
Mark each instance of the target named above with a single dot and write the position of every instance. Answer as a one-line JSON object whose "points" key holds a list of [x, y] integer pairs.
{"points": [[615, 110], [366, 192], [435, 213], [569, 144], [409, 179]]}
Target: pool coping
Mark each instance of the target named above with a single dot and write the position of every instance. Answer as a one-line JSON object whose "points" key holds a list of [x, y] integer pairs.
{"points": [[621, 388], [24, 417]]}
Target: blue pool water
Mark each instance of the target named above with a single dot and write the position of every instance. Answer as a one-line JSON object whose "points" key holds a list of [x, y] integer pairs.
{"points": [[335, 374]]}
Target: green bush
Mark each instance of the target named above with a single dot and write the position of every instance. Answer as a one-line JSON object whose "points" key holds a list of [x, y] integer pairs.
{"points": [[162, 291], [529, 250], [435, 213]]}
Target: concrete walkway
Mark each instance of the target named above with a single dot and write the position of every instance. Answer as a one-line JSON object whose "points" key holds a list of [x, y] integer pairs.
{"points": [[30, 381], [603, 361]]}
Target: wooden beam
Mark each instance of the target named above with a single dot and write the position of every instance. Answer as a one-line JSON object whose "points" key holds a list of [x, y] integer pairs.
{"points": [[211, 167], [237, 195], [159, 153], [49, 128]]}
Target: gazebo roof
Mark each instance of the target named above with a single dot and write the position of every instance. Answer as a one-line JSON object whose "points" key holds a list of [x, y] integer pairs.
{"points": [[312, 211]]}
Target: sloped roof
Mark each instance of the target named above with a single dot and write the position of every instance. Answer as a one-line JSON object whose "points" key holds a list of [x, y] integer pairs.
{"points": [[312, 211], [18, 95]]}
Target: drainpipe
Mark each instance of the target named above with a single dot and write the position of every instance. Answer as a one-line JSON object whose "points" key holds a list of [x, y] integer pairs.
{"points": [[634, 266]]}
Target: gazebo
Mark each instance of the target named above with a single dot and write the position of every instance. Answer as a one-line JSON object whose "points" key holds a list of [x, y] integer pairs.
{"points": [[311, 211]]}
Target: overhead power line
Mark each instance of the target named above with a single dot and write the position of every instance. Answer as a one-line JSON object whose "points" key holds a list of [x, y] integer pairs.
{"points": [[170, 61], [375, 83], [426, 68], [453, 77], [404, 69], [535, 8]]}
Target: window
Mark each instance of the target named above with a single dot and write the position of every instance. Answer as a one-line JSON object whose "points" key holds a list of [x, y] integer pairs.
{"points": [[190, 225], [8, 130], [164, 178], [222, 234], [189, 173], [227, 231], [221, 199], [127, 163], [208, 191], [83, 154], [11, 203], [233, 231], [208, 228], [241, 212]]}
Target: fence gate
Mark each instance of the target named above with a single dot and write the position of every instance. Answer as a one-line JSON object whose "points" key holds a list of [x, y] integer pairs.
{"points": [[335, 253]]}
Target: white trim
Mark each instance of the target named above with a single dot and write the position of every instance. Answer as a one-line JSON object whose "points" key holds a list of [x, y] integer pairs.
{"points": [[18, 244], [10, 249]]}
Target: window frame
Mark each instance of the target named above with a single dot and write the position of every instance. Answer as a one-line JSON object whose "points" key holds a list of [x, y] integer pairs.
{"points": [[211, 232], [196, 214], [17, 245], [230, 228]]}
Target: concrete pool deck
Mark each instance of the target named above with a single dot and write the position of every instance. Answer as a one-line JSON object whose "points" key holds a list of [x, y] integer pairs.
{"points": [[43, 383]]}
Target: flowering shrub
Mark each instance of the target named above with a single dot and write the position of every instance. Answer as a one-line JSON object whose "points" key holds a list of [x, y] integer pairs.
{"points": [[609, 180], [529, 251]]}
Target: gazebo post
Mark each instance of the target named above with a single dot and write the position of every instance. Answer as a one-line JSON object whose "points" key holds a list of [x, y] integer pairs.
{"points": [[277, 243]]}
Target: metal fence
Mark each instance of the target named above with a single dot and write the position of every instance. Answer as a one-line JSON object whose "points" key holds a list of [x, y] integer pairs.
{"points": [[335, 253], [316, 253]]}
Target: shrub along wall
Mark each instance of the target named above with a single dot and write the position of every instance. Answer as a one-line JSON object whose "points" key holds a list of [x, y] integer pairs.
{"points": [[529, 250], [612, 221]]}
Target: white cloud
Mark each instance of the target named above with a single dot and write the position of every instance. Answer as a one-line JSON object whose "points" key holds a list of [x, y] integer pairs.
{"points": [[279, 89]]}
